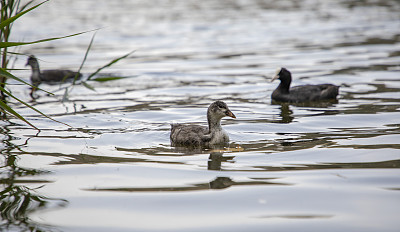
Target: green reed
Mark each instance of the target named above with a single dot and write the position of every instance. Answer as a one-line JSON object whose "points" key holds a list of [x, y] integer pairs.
{"points": [[10, 11]]}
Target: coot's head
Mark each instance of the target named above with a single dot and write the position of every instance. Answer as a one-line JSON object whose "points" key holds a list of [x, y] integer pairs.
{"points": [[219, 109], [281, 74], [32, 61]]}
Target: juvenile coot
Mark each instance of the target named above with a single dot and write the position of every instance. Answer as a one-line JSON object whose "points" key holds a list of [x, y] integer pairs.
{"points": [[194, 135], [302, 93], [49, 76]]}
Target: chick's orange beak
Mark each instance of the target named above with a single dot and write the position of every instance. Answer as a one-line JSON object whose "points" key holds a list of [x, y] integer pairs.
{"points": [[230, 114]]}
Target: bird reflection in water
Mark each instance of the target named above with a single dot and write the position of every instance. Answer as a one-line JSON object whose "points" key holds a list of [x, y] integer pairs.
{"points": [[215, 160], [286, 114]]}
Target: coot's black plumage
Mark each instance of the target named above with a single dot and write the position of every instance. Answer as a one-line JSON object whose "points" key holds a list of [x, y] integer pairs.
{"points": [[301, 93], [48, 76], [195, 135]]}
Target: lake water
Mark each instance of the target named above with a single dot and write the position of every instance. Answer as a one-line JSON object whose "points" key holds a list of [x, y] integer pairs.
{"points": [[316, 167]]}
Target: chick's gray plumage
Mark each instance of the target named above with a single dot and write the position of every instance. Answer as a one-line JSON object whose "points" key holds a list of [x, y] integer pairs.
{"points": [[49, 76], [301, 93], [195, 135]]}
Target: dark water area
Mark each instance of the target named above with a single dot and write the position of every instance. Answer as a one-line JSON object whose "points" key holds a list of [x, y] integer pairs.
{"points": [[329, 166]]}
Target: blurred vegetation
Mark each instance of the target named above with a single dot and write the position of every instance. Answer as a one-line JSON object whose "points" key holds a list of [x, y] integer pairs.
{"points": [[17, 200], [10, 11]]}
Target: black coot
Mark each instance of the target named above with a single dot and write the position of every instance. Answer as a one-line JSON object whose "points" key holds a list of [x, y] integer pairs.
{"points": [[301, 93]]}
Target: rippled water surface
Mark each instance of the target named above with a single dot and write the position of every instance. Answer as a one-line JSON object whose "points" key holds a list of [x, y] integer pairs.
{"points": [[314, 167]]}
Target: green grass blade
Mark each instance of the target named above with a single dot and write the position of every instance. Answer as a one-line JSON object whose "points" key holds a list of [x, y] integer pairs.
{"points": [[15, 17], [109, 64], [8, 109], [88, 86], [104, 79], [87, 52], [84, 58], [13, 44], [3, 72], [29, 106], [22, 8], [14, 53]]}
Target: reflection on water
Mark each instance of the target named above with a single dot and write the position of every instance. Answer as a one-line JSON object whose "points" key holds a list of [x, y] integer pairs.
{"points": [[286, 114], [384, 164], [326, 166], [17, 201], [217, 183], [215, 160]]}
